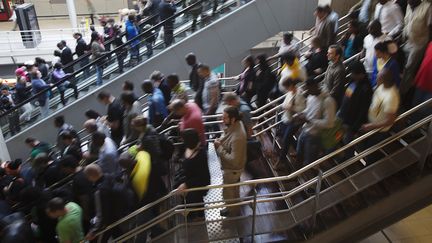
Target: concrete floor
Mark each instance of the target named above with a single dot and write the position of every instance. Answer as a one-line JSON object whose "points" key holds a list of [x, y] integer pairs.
{"points": [[416, 228]]}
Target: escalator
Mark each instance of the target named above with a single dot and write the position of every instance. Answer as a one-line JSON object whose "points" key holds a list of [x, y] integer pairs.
{"points": [[224, 40]]}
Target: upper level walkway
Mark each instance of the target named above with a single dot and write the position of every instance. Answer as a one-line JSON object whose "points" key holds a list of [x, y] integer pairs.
{"points": [[52, 31]]}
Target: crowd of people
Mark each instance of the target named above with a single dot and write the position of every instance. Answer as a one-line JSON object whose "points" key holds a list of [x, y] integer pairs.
{"points": [[125, 164], [37, 75]]}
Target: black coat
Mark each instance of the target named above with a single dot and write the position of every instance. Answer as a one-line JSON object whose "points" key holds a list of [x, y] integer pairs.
{"points": [[115, 201], [166, 91], [66, 58], [265, 82], [81, 47], [166, 10], [195, 80], [195, 173], [316, 60], [354, 110]]}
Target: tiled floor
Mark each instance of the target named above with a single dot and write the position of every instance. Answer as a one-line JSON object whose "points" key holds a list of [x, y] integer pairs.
{"points": [[416, 228]]}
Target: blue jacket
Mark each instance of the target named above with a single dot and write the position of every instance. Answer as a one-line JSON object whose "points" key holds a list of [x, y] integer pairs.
{"points": [[37, 86], [157, 107], [132, 32], [391, 65]]}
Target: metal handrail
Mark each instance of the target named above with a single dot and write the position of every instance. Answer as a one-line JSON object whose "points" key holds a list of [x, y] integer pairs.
{"points": [[266, 180], [183, 207], [266, 105], [315, 163], [319, 161]]}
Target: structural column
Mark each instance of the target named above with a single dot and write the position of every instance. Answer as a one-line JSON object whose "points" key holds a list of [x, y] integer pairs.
{"points": [[4, 153], [72, 13]]}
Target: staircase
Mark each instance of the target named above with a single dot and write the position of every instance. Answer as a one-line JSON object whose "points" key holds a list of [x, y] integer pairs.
{"points": [[331, 200]]}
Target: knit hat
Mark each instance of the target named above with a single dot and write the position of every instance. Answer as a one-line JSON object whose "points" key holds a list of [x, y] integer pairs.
{"points": [[19, 72]]}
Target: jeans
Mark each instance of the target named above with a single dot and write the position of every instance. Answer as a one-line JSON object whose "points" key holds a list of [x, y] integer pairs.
{"points": [[27, 111], [120, 60], [83, 62], [99, 74], [44, 109], [288, 131], [134, 52], [63, 87], [168, 34], [14, 124], [308, 148], [149, 46]]}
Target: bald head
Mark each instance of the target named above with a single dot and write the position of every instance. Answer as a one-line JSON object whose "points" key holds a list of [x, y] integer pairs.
{"points": [[93, 172], [178, 107], [90, 126]]}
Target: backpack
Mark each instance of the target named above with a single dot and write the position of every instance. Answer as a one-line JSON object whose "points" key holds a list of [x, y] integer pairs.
{"points": [[167, 147]]}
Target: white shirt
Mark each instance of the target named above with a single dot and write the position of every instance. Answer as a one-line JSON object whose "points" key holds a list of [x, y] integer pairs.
{"points": [[55, 60], [287, 73], [384, 102], [284, 48], [320, 112], [417, 24], [369, 46], [313, 107], [364, 11], [334, 17], [390, 16], [295, 100]]}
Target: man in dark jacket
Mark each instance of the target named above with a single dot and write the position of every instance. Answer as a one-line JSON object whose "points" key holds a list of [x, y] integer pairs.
{"points": [[334, 79], [7, 104], [66, 56], [80, 50], [355, 103], [151, 9], [111, 202], [195, 82], [167, 9], [72, 146]]}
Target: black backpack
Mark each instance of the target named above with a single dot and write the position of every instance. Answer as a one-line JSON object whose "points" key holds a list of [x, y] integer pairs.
{"points": [[167, 146]]}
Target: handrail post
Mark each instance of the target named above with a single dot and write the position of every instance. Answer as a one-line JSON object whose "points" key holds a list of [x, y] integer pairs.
{"points": [[254, 212], [185, 215], [425, 153], [316, 205], [276, 120]]}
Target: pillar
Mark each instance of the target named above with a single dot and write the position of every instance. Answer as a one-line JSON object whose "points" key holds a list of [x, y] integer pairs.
{"points": [[4, 152], [72, 13]]}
